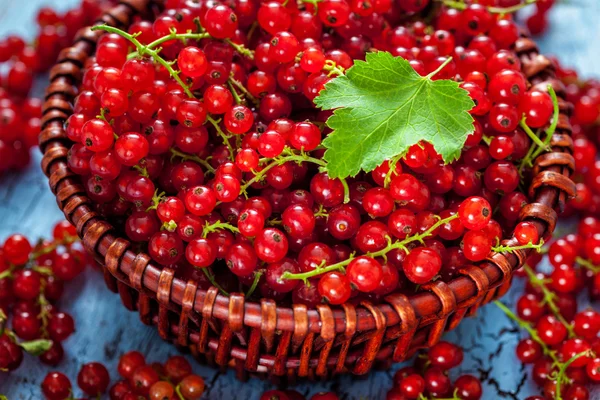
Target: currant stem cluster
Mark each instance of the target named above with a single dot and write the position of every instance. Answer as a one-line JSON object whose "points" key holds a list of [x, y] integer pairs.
{"points": [[587, 265], [454, 397], [511, 249], [34, 347], [209, 228], [287, 155], [549, 299], [539, 146], [531, 330], [461, 5], [191, 157], [340, 266]]}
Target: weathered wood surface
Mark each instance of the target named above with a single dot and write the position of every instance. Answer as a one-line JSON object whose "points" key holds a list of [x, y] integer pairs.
{"points": [[105, 329]]}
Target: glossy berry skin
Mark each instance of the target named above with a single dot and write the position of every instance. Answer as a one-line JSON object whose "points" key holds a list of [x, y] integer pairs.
{"points": [[445, 355], [275, 271], [93, 379], [129, 362], [271, 245], [16, 249], [572, 347], [97, 135], [551, 331], [537, 107], [60, 326], [334, 12], [412, 386], [526, 232], [468, 387], [166, 248], [251, 222], [142, 380], [241, 259], [130, 148], [335, 288], [220, 22], [200, 200], [378, 202], [593, 370], [192, 62], [364, 273], [476, 245], [298, 221], [56, 386], [421, 265], [238, 119], [201, 252], [192, 387], [502, 177], [26, 284]]}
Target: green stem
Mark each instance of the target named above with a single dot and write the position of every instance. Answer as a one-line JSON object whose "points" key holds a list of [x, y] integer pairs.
{"points": [[510, 249], [194, 158], [178, 392], [440, 68], [346, 190], [7, 273], [340, 266], [211, 278], [454, 397], [531, 330], [392, 163], [287, 155], [177, 36], [241, 49], [321, 212], [534, 151], [236, 96], [549, 298], [333, 69], [53, 246], [209, 228], [254, 284], [561, 375], [144, 50], [532, 135], [587, 265], [245, 91], [223, 135], [3, 319], [460, 5], [44, 315]]}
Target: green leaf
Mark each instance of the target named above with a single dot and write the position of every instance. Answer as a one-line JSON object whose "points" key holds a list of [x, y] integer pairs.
{"points": [[382, 107], [36, 347]]}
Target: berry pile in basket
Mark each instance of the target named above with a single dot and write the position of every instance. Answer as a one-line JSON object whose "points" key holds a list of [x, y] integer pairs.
{"points": [[173, 380], [31, 282], [19, 114], [562, 346], [197, 135]]}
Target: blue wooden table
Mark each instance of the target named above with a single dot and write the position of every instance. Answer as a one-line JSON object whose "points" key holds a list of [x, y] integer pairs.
{"points": [[105, 329]]}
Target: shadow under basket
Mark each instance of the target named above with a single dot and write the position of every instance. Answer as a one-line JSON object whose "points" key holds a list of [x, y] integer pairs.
{"points": [[287, 343]]}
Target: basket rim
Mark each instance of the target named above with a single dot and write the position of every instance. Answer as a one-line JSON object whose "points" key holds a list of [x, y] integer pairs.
{"points": [[549, 188]]}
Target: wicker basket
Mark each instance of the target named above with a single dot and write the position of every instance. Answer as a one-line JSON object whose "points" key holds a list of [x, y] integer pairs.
{"points": [[261, 337]]}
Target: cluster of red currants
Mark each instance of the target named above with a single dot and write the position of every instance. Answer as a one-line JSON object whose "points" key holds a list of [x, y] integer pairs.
{"points": [[31, 282], [563, 343], [198, 137], [173, 380], [294, 395], [20, 114], [537, 22], [429, 377]]}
